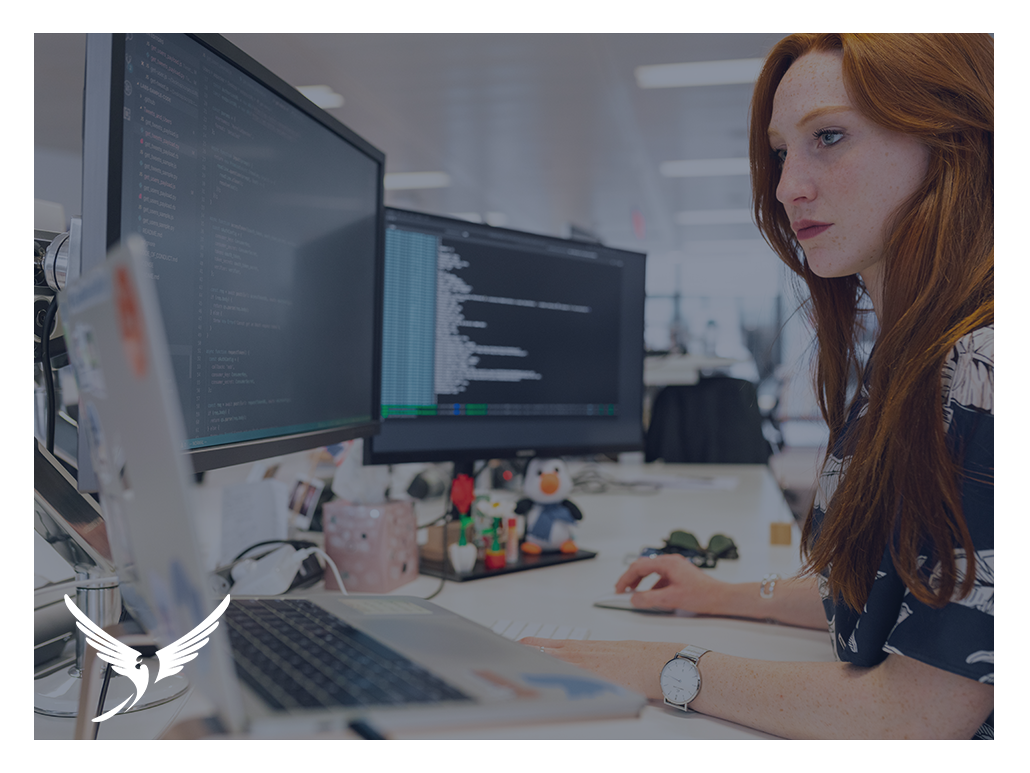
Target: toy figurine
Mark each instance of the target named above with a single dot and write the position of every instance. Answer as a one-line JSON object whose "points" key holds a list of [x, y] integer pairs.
{"points": [[462, 554], [550, 517], [495, 509], [494, 556]]}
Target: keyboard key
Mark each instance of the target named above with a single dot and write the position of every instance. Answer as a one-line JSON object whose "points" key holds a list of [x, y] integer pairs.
{"points": [[518, 629], [547, 631], [513, 629]]}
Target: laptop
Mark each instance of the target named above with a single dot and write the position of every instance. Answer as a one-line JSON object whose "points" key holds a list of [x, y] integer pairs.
{"points": [[131, 414]]}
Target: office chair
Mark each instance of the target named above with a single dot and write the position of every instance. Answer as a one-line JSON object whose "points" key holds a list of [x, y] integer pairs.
{"points": [[714, 421]]}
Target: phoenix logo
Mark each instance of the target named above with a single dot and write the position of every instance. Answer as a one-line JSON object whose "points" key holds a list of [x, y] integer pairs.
{"points": [[129, 662]]}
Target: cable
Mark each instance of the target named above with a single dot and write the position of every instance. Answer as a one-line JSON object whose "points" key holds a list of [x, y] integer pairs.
{"points": [[436, 592], [332, 565], [48, 375], [443, 564], [103, 697]]}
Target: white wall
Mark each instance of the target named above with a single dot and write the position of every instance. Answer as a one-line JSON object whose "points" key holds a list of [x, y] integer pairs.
{"points": [[58, 178]]}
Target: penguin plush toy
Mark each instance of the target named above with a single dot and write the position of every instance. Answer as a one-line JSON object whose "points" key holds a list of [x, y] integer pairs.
{"points": [[550, 517]]}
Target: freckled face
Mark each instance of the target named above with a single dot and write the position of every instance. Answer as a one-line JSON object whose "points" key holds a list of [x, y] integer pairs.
{"points": [[843, 176]]}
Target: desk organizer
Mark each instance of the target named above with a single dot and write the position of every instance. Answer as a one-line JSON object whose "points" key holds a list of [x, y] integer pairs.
{"points": [[437, 568]]}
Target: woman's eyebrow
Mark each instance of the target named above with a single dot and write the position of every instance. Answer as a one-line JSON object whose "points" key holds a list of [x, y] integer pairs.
{"points": [[815, 113]]}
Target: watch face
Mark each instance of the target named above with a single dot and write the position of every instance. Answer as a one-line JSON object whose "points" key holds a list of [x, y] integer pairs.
{"points": [[680, 681]]}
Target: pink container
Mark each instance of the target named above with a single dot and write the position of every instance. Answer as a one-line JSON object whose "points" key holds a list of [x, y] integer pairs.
{"points": [[373, 546]]}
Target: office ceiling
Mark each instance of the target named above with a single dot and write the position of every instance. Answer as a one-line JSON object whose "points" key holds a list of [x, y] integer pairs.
{"points": [[539, 132]]}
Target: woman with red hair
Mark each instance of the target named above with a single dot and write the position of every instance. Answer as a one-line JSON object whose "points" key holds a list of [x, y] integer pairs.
{"points": [[872, 162]]}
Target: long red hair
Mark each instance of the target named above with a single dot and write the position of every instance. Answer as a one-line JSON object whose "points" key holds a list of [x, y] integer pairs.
{"points": [[901, 486]]}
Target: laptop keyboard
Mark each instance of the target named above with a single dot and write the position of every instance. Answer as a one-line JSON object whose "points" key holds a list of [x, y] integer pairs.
{"points": [[295, 654], [517, 629]]}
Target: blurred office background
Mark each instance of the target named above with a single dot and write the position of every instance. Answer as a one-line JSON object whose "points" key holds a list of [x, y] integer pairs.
{"points": [[638, 141]]}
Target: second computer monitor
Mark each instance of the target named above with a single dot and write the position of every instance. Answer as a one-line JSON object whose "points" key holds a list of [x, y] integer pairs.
{"points": [[499, 343]]}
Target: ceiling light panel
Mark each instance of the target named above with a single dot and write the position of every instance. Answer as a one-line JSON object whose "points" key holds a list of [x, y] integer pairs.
{"points": [[399, 181], [717, 73], [323, 96], [705, 167]]}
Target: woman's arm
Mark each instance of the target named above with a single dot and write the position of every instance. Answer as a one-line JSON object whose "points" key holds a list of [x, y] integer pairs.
{"points": [[681, 585], [899, 698]]}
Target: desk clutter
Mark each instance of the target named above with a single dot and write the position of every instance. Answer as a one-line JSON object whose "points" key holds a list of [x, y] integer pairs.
{"points": [[493, 534], [512, 609]]}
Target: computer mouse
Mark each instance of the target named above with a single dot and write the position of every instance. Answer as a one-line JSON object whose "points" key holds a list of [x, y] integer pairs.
{"points": [[622, 601]]}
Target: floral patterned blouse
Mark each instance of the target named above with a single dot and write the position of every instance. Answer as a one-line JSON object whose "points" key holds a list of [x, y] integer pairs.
{"points": [[960, 636]]}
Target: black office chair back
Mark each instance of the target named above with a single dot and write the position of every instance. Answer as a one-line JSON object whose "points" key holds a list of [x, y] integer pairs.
{"points": [[715, 421]]}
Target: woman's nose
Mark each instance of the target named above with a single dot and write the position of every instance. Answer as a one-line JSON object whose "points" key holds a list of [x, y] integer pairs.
{"points": [[795, 181]]}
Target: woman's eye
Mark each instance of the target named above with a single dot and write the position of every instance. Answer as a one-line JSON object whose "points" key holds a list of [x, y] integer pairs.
{"points": [[779, 156], [829, 136]]}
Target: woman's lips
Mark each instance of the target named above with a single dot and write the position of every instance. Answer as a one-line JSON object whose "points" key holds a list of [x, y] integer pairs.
{"points": [[807, 229]]}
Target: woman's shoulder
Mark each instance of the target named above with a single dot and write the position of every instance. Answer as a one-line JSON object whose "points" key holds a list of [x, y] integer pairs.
{"points": [[979, 345], [968, 376]]}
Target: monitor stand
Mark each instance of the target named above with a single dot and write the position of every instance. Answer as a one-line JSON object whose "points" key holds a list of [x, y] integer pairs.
{"points": [[442, 567]]}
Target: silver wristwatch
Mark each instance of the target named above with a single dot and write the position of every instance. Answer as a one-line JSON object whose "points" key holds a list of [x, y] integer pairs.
{"points": [[681, 679]]}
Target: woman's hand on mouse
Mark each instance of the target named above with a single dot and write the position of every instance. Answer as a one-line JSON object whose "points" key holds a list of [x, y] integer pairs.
{"points": [[635, 665], [680, 585]]}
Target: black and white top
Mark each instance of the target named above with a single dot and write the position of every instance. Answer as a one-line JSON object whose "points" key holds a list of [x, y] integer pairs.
{"points": [[960, 636]]}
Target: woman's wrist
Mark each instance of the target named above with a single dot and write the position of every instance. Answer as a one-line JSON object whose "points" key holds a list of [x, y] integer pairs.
{"points": [[728, 599], [755, 600]]}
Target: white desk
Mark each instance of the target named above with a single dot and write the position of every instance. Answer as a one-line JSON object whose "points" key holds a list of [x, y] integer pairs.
{"points": [[617, 526]]}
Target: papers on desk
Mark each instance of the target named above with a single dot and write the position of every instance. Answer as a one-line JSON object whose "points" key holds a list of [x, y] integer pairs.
{"points": [[691, 482], [252, 512]]}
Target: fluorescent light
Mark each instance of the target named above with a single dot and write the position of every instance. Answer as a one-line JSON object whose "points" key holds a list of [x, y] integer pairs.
{"points": [[396, 181], [718, 73], [323, 96], [715, 217], [705, 167], [490, 218]]}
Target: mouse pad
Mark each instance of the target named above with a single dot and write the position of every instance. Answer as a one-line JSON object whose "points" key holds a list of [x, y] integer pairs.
{"points": [[622, 601]]}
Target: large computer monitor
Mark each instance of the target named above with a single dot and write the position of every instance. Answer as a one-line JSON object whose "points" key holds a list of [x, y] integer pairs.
{"points": [[263, 217], [500, 344]]}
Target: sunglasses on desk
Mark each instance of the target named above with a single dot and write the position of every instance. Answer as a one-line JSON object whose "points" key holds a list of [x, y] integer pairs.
{"points": [[686, 544]]}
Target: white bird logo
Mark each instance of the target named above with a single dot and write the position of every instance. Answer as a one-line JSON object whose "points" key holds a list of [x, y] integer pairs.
{"points": [[129, 662]]}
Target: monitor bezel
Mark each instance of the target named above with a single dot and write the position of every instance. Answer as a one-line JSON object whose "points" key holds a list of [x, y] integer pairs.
{"points": [[101, 227], [374, 456]]}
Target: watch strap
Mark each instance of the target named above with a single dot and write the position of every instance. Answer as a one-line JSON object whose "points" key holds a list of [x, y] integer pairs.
{"points": [[692, 653]]}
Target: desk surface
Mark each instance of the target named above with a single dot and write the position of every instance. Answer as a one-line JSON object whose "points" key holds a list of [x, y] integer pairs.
{"points": [[617, 526], [742, 502]]}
